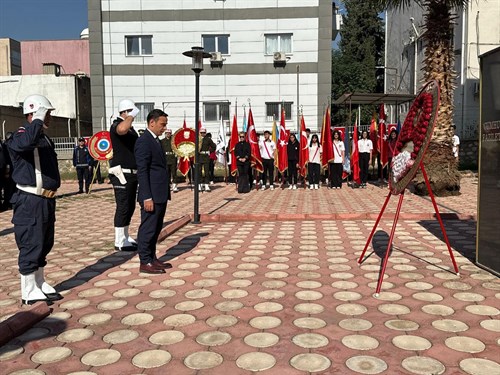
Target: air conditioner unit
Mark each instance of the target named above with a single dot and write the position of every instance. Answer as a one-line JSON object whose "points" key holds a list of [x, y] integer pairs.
{"points": [[216, 57], [279, 59], [279, 56], [216, 61]]}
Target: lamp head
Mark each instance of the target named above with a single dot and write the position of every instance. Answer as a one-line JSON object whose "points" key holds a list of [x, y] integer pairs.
{"points": [[197, 55]]}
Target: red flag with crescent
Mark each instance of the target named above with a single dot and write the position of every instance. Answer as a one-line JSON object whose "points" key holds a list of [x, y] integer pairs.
{"points": [[282, 144], [255, 159], [184, 164], [304, 148], [341, 130], [232, 144], [326, 140], [355, 155]]}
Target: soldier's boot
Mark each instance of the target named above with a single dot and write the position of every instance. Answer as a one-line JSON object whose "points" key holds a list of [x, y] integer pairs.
{"points": [[129, 241], [30, 292], [207, 187], [200, 187], [174, 188], [48, 290], [121, 242]]}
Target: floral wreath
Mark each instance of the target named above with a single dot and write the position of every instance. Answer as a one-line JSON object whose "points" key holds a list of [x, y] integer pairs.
{"points": [[414, 137]]}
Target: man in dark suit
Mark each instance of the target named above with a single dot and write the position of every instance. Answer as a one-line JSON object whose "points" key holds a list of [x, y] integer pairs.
{"points": [[243, 152], [154, 190]]}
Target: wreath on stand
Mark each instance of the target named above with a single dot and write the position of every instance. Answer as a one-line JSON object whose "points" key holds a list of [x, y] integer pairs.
{"points": [[414, 137]]}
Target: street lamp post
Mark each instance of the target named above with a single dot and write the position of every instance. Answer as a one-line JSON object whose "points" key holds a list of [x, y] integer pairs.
{"points": [[197, 55]]}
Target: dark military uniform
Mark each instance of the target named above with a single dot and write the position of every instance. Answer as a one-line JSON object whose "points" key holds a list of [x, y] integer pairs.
{"points": [[36, 173], [166, 145], [206, 147], [123, 155], [81, 161]]}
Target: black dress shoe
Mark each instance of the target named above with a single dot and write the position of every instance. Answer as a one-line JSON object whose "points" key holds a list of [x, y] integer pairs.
{"points": [[54, 296], [150, 268], [126, 248], [161, 265], [33, 301]]}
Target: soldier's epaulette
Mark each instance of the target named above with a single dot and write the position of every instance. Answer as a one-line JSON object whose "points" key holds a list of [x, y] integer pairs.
{"points": [[21, 129]]}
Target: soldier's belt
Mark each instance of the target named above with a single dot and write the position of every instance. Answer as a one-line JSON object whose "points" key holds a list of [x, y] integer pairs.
{"points": [[37, 191], [169, 153], [205, 152], [131, 171]]}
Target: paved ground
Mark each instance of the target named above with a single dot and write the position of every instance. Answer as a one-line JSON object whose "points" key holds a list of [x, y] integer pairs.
{"points": [[247, 293]]}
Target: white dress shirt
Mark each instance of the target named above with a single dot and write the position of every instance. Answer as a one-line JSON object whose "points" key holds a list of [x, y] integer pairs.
{"points": [[267, 149], [338, 148], [315, 153], [365, 145]]}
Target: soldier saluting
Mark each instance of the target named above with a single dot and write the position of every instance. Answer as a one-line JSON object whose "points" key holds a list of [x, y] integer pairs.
{"points": [[36, 174]]}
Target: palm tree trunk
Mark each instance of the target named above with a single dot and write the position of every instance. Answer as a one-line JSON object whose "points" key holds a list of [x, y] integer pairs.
{"points": [[440, 164]]}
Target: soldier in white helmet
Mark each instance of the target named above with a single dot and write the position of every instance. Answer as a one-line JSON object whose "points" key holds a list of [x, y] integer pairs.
{"points": [[123, 172], [36, 174]]}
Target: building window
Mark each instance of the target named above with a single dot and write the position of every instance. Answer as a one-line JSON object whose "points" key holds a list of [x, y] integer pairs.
{"points": [[144, 108], [278, 43], [216, 43], [214, 111], [273, 110], [139, 45]]}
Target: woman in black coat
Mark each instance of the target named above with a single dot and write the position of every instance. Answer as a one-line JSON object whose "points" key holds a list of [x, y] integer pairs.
{"points": [[293, 149]]}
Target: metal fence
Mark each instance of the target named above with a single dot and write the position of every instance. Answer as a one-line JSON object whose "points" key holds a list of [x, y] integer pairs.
{"points": [[64, 146]]}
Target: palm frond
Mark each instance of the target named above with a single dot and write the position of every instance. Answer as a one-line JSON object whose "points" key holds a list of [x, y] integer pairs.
{"points": [[401, 4]]}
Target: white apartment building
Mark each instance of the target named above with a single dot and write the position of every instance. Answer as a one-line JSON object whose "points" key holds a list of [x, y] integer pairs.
{"points": [[136, 51], [476, 31]]}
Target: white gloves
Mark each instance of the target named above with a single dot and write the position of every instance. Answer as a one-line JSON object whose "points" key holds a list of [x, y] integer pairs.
{"points": [[134, 112], [40, 114]]}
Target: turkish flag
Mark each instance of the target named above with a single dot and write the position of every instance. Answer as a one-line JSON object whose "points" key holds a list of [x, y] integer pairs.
{"points": [[326, 140], [341, 130], [374, 135], [382, 137], [304, 148], [355, 155], [184, 164], [255, 159], [282, 144], [232, 144]]}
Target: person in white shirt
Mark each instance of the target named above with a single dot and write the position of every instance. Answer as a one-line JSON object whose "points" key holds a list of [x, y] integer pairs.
{"points": [[456, 143], [314, 164], [365, 148], [338, 161], [267, 148]]}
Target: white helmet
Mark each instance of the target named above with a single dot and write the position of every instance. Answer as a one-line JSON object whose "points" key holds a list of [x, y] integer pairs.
{"points": [[33, 102], [126, 105]]}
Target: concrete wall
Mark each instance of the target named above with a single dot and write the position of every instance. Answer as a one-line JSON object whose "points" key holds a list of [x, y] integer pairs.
{"points": [[72, 55], [165, 78], [10, 57]]}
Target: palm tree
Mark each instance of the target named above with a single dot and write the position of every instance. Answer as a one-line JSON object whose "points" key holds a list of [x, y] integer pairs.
{"points": [[440, 164]]}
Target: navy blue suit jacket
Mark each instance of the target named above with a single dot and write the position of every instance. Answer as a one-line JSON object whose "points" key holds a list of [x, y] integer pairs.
{"points": [[152, 173]]}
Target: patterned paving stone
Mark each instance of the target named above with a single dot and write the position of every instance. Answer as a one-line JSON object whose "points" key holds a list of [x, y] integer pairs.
{"points": [[268, 307], [222, 321], [364, 364], [423, 365], [261, 340], [479, 366], [51, 355], [179, 320], [450, 325], [465, 344], [265, 322], [120, 336], [491, 325], [438, 310], [351, 309], [482, 310], [8, 352], [166, 337], [360, 342], [256, 361], [101, 357], [310, 340], [214, 338], [309, 323], [203, 360], [151, 358], [95, 319], [410, 342], [310, 362], [401, 325], [75, 335]]}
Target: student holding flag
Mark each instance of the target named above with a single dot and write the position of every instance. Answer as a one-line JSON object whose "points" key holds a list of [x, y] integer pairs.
{"points": [[365, 148], [314, 164], [338, 161], [267, 148]]}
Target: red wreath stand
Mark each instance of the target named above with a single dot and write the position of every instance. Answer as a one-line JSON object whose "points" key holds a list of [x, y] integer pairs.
{"points": [[417, 128]]}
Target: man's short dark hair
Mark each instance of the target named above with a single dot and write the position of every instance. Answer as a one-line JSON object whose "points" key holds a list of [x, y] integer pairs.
{"points": [[267, 132], [155, 114], [308, 130]]}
